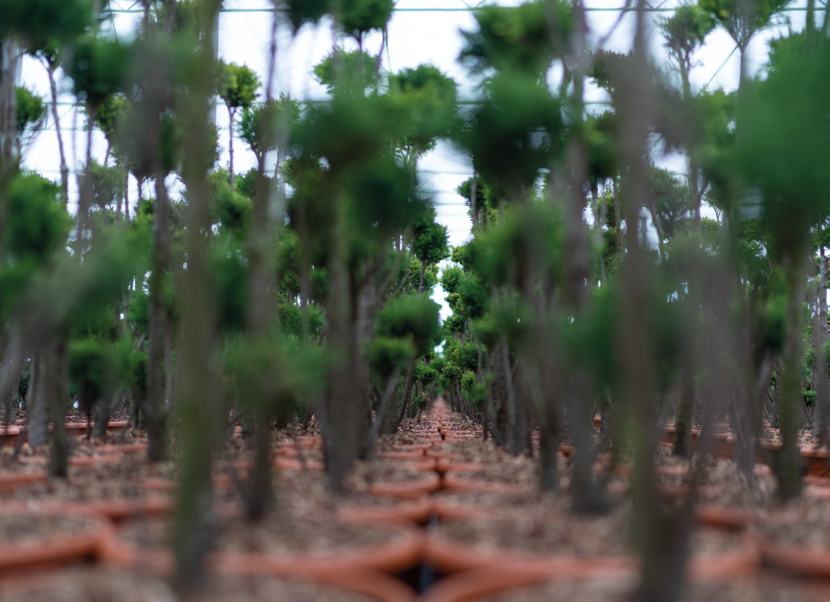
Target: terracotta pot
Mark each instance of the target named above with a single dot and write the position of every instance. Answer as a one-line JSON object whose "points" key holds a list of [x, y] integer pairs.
{"points": [[725, 517], [816, 461], [414, 510], [801, 560], [295, 464], [104, 458], [46, 586], [11, 481], [442, 455], [449, 556], [393, 556], [413, 489], [402, 455], [119, 509], [302, 442], [443, 509], [414, 446], [477, 584], [9, 435], [129, 448], [445, 465], [373, 584], [220, 481], [54, 548], [459, 481]]}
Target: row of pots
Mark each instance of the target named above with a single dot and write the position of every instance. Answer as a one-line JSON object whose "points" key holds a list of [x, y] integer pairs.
{"points": [[9, 434]]}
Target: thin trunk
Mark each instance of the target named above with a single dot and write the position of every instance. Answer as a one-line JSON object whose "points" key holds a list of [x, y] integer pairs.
{"points": [[384, 407], [85, 194], [820, 339], [53, 90], [37, 417], [231, 113], [788, 468], [261, 322], [681, 445], [407, 393], [56, 380], [156, 410], [198, 402]]}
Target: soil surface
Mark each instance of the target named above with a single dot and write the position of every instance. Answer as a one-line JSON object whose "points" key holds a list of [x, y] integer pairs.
{"points": [[29, 529], [111, 584], [554, 530], [279, 535], [603, 590]]}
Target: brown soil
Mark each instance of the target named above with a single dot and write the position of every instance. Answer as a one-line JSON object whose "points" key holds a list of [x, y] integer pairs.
{"points": [[10, 464], [276, 535], [104, 584], [553, 530], [804, 522], [21, 527], [604, 590], [382, 471], [101, 481], [520, 502]]}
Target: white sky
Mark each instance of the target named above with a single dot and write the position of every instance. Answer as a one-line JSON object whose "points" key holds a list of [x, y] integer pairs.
{"points": [[421, 31]]}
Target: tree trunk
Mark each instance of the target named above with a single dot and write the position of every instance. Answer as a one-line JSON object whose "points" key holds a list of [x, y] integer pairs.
{"points": [[53, 90], [156, 408], [820, 423], [231, 113], [56, 380], [198, 402], [37, 418], [788, 462]]}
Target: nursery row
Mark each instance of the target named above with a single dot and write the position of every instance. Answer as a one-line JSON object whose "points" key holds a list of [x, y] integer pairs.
{"points": [[437, 510]]}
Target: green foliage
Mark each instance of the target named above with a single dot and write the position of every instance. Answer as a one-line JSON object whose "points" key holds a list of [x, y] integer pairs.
{"points": [[425, 374], [236, 85], [425, 98], [246, 184], [358, 17], [110, 116], [98, 67], [514, 133], [92, 369], [430, 241], [506, 318], [301, 12], [291, 321], [601, 148], [39, 22], [686, 29], [779, 141], [231, 209], [465, 356], [382, 198], [230, 278], [31, 112], [743, 19], [451, 277], [473, 297], [349, 73], [387, 354], [36, 222], [266, 126], [524, 39], [412, 316], [288, 264], [108, 184]]}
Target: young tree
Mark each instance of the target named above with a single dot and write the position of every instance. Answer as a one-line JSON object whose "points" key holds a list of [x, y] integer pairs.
{"points": [[237, 87]]}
